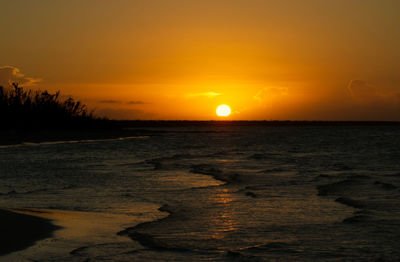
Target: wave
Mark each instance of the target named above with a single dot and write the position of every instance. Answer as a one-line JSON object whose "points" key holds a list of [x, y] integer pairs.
{"points": [[238, 256], [262, 156], [139, 232], [386, 186], [14, 192], [251, 194], [219, 174], [336, 187], [275, 170], [356, 219], [151, 242], [168, 161], [351, 202], [30, 144], [280, 247], [353, 183], [258, 156], [146, 239], [177, 162]]}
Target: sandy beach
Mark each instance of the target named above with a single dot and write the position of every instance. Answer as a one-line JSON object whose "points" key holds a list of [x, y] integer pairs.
{"points": [[53, 235]]}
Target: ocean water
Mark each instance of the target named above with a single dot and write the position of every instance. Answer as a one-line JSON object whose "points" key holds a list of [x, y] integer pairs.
{"points": [[227, 193]]}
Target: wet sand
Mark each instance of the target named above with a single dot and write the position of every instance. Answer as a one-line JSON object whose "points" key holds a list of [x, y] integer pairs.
{"points": [[80, 234], [19, 231]]}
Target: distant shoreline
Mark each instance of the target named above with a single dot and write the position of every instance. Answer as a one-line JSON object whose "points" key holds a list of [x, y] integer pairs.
{"points": [[129, 128], [190, 123], [15, 137]]}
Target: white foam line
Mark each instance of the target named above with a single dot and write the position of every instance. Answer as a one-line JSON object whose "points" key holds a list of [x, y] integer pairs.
{"points": [[30, 144]]}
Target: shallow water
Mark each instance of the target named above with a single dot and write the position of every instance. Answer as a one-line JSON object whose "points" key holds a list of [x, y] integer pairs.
{"points": [[227, 193]]}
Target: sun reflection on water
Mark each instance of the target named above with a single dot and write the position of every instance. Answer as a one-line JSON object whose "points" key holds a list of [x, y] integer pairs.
{"points": [[224, 221]]}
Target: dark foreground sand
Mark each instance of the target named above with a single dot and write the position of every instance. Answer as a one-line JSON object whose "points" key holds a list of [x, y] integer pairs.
{"points": [[19, 231]]}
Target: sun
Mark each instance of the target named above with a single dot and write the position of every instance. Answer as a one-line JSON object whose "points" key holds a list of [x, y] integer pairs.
{"points": [[223, 110]]}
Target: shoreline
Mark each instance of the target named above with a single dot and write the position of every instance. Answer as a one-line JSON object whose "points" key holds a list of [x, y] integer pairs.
{"points": [[136, 233], [75, 234], [20, 231]]}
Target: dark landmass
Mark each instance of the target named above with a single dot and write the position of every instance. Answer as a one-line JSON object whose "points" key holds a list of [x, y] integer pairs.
{"points": [[188, 123], [110, 129], [19, 231], [34, 109]]}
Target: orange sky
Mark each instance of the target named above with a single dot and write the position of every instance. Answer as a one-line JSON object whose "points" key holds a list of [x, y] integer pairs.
{"points": [[179, 59]]}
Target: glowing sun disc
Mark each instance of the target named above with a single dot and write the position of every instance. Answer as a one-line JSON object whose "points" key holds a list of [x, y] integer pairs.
{"points": [[223, 110]]}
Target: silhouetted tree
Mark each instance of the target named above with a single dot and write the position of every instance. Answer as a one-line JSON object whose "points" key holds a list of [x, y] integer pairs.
{"points": [[40, 109]]}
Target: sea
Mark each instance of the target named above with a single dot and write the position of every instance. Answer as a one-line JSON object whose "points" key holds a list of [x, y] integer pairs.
{"points": [[212, 193]]}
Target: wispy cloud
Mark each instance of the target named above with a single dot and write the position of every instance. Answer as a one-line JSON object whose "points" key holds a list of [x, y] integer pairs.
{"points": [[364, 93], [268, 93], [110, 101], [11, 74], [136, 103], [373, 102], [205, 94], [361, 91], [125, 114]]}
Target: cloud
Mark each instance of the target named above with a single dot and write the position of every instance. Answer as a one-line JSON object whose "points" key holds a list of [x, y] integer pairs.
{"points": [[360, 91], [363, 93], [374, 103], [267, 94], [124, 114], [10, 74], [206, 94], [110, 101], [136, 103]]}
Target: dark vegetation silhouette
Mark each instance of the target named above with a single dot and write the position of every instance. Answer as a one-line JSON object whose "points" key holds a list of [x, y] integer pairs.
{"points": [[28, 109]]}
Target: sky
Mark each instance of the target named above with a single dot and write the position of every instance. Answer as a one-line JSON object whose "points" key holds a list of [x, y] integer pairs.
{"points": [[180, 59]]}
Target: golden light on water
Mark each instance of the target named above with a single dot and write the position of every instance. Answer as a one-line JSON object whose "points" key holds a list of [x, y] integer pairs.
{"points": [[223, 110]]}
